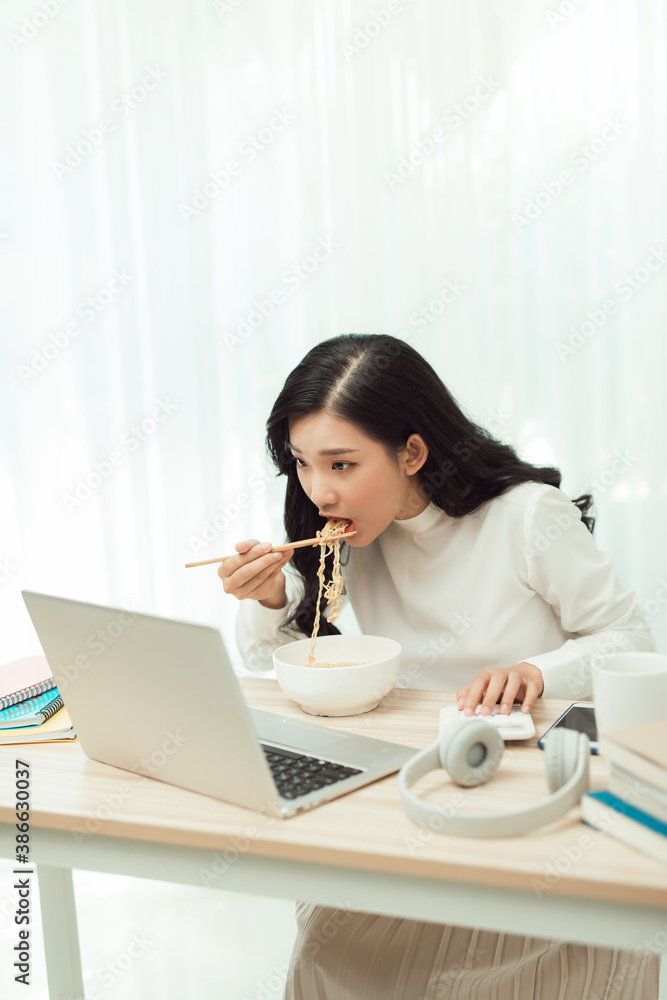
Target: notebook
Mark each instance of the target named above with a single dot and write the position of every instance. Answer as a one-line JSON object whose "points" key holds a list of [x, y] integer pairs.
{"points": [[33, 711], [58, 727], [24, 678]]}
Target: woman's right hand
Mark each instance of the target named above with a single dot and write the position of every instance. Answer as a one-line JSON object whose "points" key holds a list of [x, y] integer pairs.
{"points": [[256, 573]]}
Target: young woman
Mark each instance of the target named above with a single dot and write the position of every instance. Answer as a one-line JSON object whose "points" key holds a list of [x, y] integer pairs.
{"points": [[488, 576]]}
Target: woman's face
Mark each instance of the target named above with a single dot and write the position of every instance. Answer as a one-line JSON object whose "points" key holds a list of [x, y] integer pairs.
{"points": [[356, 479]]}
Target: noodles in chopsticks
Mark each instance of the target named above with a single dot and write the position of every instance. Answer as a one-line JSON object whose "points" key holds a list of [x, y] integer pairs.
{"points": [[333, 589]]}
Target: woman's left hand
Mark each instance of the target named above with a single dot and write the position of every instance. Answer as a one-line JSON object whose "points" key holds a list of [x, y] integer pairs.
{"points": [[523, 682]]}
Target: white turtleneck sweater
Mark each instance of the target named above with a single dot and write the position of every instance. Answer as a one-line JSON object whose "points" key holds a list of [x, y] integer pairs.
{"points": [[519, 579]]}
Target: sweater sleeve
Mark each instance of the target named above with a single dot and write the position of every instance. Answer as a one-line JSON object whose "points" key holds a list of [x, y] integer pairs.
{"points": [[566, 568], [257, 628]]}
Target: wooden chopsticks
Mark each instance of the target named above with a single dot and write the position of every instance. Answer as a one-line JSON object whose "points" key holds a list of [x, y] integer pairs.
{"points": [[280, 548]]}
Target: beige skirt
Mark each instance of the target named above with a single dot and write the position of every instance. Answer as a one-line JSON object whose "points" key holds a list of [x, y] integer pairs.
{"points": [[343, 955]]}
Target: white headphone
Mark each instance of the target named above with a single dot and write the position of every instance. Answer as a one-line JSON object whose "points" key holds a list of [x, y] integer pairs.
{"points": [[470, 751]]}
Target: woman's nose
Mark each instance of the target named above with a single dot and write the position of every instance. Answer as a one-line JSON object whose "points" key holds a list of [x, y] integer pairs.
{"points": [[322, 493]]}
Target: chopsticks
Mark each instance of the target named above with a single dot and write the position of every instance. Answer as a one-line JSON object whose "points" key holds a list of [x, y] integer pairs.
{"points": [[280, 548]]}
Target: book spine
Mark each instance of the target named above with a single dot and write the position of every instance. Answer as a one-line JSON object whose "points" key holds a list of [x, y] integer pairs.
{"points": [[603, 816], [633, 781], [28, 692], [624, 808], [637, 792], [633, 763]]}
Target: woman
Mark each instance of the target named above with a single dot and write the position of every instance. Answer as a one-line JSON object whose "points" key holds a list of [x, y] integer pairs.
{"points": [[488, 576]]}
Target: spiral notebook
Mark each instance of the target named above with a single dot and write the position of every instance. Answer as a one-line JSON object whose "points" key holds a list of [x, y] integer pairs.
{"points": [[23, 679], [58, 727], [33, 711]]}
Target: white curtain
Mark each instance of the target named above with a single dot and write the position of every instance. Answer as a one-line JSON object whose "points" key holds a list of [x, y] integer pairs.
{"points": [[499, 166]]}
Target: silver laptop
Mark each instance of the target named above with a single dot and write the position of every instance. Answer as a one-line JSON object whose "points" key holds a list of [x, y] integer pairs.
{"points": [[160, 697]]}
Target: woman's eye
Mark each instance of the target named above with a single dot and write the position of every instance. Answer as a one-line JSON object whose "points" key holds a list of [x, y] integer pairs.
{"points": [[300, 464]]}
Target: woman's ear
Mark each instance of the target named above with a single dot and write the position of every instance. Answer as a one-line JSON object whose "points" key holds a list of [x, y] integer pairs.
{"points": [[414, 454]]}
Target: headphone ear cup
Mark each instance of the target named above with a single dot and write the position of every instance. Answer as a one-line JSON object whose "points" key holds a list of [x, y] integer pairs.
{"points": [[562, 749], [447, 738], [470, 751]]}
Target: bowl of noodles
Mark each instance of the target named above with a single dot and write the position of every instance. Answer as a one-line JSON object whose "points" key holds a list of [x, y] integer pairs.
{"points": [[336, 674], [348, 676]]}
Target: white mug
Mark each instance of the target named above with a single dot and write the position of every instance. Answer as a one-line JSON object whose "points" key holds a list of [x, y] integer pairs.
{"points": [[628, 689]]}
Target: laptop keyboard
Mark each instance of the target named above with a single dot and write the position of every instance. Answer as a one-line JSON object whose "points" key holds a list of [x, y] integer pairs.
{"points": [[296, 774]]}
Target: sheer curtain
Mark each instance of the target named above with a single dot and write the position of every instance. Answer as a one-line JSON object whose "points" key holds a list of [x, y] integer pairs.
{"points": [[196, 193], [201, 192]]}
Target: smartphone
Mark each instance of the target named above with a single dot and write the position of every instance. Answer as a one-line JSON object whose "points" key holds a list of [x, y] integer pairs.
{"points": [[581, 717]]}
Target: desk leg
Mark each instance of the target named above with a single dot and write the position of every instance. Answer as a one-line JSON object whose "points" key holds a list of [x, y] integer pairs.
{"points": [[61, 934]]}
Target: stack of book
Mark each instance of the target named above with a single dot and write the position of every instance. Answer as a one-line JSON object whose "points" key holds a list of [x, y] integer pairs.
{"points": [[634, 809], [31, 707]]}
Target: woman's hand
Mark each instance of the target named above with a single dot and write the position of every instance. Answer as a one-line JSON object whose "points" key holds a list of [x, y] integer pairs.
{"points": [[523, 682], [256, 573]]}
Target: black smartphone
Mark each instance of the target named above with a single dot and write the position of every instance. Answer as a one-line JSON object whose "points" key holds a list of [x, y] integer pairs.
{"points": [[581, 717]]}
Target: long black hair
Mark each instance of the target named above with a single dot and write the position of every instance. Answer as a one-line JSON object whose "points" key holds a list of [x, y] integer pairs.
{"points": [[389, 391]]}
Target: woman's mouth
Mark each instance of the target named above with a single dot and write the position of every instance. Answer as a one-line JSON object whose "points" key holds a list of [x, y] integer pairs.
{"points": [[336, 517]]}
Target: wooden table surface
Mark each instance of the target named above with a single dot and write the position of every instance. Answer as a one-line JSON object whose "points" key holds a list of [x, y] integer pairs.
{"points": [[366, 829]]}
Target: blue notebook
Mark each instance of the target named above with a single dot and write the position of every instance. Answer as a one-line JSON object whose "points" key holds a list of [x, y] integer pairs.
{"points": [[620, 805], [33, 711], [613, 815]]}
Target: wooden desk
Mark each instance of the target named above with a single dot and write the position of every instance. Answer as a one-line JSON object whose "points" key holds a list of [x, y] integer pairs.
{"points": [[360, 852]]}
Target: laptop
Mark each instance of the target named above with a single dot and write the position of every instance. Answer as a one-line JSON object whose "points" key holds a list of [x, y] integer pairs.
{"points": [[160, 698]]}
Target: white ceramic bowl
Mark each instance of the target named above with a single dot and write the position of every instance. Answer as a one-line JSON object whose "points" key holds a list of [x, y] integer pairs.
{"points": [[338, 690]]}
